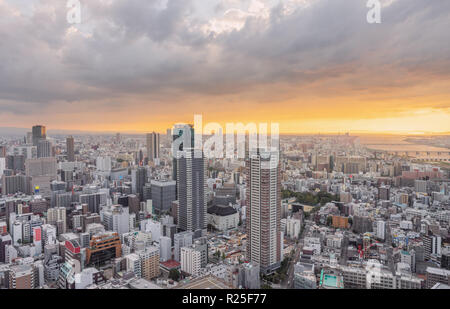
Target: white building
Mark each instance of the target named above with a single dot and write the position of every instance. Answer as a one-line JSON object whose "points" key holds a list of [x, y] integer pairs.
{"points": [[406, 225], [103, 164], [17, 233], [183, 239], [293, 227], [28, 151], [134, 264], [223, 218], [49, 234], [165, 249], [264, 244], [2, 166], [55, 215], [381, 229], [152, 226], [190, 261], [116, 218], [408, 258]]}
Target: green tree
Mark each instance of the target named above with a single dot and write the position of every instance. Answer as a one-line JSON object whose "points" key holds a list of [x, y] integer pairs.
{"points": [[287, 194], [174, 274], [329, 220]]}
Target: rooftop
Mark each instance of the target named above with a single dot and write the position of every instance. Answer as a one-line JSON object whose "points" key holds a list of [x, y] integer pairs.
{"points": [[170, 264], [208, 282]]}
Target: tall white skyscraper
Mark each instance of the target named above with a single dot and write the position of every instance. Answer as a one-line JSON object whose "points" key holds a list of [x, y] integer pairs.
{"points": [[263, 213]]}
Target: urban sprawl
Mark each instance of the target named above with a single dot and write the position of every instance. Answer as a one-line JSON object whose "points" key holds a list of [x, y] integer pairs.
{"points": [[124, 212]]}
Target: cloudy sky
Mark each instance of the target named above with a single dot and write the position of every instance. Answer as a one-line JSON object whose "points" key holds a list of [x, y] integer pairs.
{"points": [[142, 65]]}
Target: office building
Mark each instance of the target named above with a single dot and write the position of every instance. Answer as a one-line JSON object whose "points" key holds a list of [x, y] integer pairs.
{"points": [[139, 179], [162, 195], [191, 186], [152, 146], [70, 145], [116, 218], [103, 247], [44, 149], [177, 135], [436, 275], [39, 132], [15, 184]]}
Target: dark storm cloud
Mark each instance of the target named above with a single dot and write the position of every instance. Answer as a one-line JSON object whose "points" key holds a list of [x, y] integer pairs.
{"points": [[164, 52]]}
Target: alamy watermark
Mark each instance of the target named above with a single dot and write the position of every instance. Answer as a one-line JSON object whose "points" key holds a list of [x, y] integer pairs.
{"points": [[74, 11], [374, 14], [251, 138]]}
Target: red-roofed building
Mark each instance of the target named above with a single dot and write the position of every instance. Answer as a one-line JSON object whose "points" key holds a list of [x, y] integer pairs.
{"points": [[167, 266]]}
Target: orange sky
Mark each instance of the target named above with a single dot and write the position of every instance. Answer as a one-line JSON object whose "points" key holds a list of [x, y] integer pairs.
{"points": [[311, 66]]}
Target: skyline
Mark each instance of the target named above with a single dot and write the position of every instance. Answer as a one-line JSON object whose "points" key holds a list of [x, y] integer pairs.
{"points": [[310, 65], [179, 146], [12, 131], [16, 131]]}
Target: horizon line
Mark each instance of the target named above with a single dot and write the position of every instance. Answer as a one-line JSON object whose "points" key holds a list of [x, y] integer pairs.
{"points": [[340, 132]]}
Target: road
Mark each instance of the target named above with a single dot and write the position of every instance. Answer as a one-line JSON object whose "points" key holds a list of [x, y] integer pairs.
{"points": [[344, 251], [289, 281]]}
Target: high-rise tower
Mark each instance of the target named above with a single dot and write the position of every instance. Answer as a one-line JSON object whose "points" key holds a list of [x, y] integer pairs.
{"points": [[191, 184], [263, 213], [70, 149], [152, 146], [39, 132]]}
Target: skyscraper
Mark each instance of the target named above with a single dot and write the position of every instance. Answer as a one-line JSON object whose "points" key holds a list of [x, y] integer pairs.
{"points": [[139, 179], [264, 209], [29, 138], [39, 132], [152, 146], [44, 149], [177, 132], [2, 151], [70, 149], [191, 184], [162, 195]]}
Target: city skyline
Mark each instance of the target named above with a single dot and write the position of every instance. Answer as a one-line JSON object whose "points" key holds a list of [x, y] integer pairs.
{"points": [[250, 146]]}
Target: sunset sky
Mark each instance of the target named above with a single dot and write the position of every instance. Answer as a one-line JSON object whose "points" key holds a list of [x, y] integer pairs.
{"points": [[310, 65]]}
